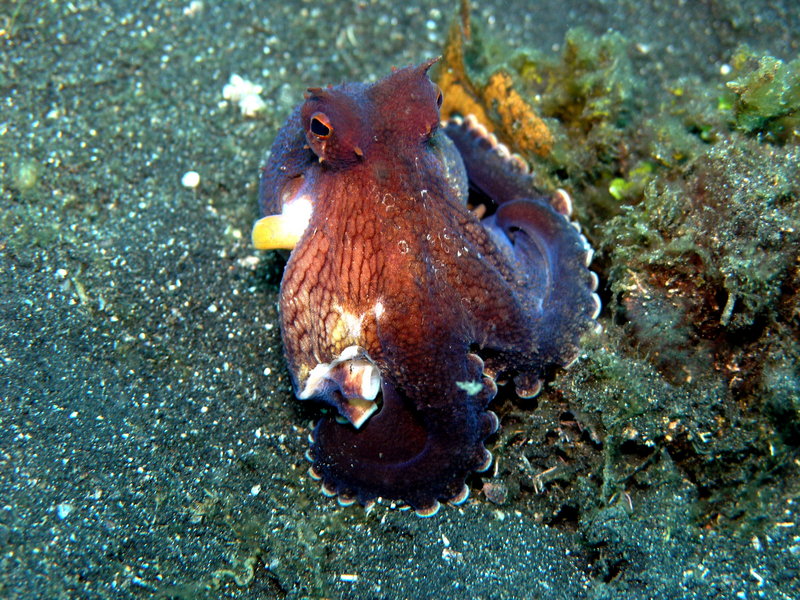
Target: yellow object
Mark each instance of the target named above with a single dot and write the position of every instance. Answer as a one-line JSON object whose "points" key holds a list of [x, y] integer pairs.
{"points": [[519, 123], [283, 231], [497, 105], [276, 232]]}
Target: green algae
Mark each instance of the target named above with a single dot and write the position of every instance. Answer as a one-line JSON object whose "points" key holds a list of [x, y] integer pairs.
{"points": [[592, 83], [657, 436], [632, 186], [587, 96], [730, 225], [766, 96], [697, 207]]}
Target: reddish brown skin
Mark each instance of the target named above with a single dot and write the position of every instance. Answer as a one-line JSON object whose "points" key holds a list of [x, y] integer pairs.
{"points": [[390, 225]]}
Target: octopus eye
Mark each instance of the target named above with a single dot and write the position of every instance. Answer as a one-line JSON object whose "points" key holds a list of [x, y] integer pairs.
{"points": [[439, 97], [320, 126]]}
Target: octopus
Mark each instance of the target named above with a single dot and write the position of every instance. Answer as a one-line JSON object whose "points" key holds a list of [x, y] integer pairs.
{"points": [[425, 269]]}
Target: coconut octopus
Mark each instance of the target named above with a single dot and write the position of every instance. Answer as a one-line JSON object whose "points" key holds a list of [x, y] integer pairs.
{"points": [[404, 299]]}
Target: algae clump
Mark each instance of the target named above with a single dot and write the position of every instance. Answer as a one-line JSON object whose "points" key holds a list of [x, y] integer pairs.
{"points": [[767, 96]]}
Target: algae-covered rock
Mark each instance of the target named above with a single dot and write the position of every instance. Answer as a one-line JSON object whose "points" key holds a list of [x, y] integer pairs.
{"points": [[702, 266]]}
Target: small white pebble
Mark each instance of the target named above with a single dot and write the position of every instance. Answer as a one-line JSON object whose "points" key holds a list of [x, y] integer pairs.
{"points": [[193, 8], [725, 69], [63, 510], [349, 577], [250, 262], [190, 179], [255, 490], [61, 274], [212, 309], [267, 371]]}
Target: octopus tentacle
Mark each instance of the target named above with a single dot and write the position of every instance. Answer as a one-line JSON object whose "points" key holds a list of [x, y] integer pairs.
{"points": [[412, 466], [491, 167], [545, 241], [548, 249]]}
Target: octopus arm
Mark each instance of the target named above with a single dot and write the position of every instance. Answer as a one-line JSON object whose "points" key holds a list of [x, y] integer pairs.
{"points": [[441, 442], [553, 253], [542, 255]]}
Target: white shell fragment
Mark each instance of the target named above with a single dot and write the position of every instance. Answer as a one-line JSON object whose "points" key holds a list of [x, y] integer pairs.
{"points": [[355, 376], [245, 94]]}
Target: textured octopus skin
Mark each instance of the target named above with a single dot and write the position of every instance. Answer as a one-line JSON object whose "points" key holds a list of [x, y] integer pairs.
{"points": [[393, 282]]}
